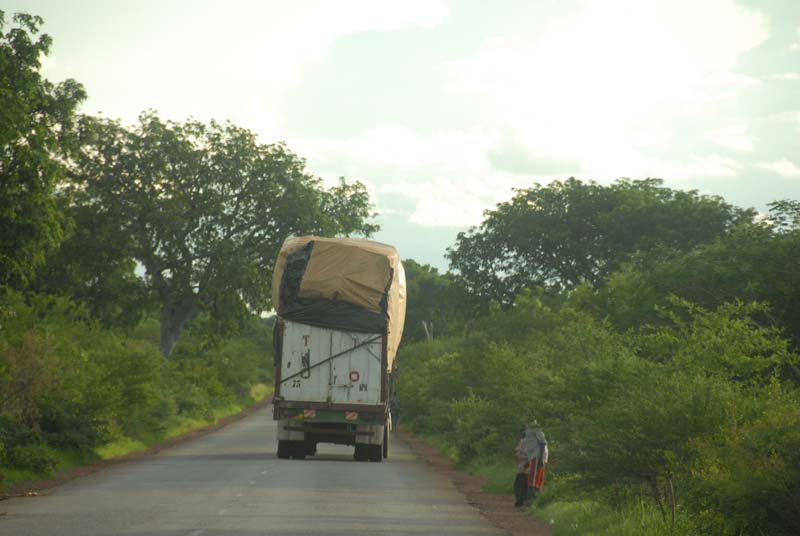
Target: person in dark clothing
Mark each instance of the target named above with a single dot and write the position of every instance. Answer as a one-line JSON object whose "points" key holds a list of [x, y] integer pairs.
{"points": [[521, 479]]}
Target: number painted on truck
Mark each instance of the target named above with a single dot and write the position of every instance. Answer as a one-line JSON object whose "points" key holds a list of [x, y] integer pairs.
{"points": [[362, 387], [296, 384]]}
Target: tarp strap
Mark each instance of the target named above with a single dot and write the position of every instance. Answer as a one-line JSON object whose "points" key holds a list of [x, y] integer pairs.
{"points": [[315, 365]]}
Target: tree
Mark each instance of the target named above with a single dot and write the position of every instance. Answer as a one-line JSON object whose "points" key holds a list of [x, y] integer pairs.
{"points": [[643, 439], [752, 262], [35, 119], [93, 265], [434, 298], [205, 209], [567, 233]]}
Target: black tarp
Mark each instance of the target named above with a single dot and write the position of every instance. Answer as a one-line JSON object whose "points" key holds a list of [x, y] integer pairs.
{"points": [[334, 314]]}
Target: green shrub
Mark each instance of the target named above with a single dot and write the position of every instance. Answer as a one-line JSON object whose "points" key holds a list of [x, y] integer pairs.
{"points": [[35, 457], [746, 478], [68, 424], [69, 384]]}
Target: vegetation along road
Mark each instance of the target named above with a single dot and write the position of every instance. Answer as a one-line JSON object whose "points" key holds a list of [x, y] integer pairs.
{"points": [[650, 325], [231, 483]]}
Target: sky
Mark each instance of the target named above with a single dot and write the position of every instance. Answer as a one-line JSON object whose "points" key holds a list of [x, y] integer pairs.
{"points": [[442, 107]]}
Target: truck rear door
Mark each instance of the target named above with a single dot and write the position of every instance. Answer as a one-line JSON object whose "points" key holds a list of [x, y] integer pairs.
{"points": [[352, 377]]}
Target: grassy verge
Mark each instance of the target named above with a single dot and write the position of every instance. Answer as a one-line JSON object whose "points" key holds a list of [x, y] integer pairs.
{"points": [[124, 445], [568, 514], [573, 518]]}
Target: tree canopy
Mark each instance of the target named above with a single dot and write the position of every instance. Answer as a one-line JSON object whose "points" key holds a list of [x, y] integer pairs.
{"points": [[204, 209], [436, 299], [753, 262], [566, 233], [35, 119]]}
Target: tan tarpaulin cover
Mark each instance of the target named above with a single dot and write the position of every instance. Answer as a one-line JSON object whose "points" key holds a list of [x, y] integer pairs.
{"points": [[351, 270]]}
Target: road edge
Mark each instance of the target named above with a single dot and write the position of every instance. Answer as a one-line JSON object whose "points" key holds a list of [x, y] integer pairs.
{"points": [[33, 487], [496, 507]]}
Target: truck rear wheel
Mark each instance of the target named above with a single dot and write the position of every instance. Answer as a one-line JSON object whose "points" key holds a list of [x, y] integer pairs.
{"points": [[298, 450], [375, 453], [284, 449], [362, 452]]}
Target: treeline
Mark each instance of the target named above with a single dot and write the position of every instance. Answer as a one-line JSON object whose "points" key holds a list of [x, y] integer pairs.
{"points": [[653, 333], [135, 261]]}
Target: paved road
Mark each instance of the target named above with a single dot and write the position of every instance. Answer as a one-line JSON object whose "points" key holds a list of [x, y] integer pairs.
{"points": [[230, 483]]}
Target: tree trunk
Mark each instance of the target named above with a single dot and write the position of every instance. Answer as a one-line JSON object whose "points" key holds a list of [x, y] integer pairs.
{"points": [[656, 489], [673, 500], [174, 315]]}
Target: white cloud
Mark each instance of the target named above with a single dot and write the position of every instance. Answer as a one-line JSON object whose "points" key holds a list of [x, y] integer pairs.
{"points": [[734, 137], [442, 201], [399, 148], [214, 60], [635, 165], [444, 173], [607, 82], [383, 16], [709, 166], [796, 45], [787, 76], [782, 167]]}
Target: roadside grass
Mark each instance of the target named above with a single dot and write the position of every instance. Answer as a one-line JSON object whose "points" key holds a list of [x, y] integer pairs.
{"points": [[180, 425], [64, 460], [580, 517], [12, 475], [260, 391], [124, 445], [499, 475], [568, 514]]}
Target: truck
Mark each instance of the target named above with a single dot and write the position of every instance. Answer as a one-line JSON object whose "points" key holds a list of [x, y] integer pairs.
{"points": [[340, 305]]}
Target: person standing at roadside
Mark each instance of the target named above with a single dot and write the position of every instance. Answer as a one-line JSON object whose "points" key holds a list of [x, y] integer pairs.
{"points": [[521, 479], [535, 444]]}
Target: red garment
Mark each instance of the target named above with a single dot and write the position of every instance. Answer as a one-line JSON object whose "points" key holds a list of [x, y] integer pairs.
{"points": [[539, 483], [536, 474], [532, 471]]}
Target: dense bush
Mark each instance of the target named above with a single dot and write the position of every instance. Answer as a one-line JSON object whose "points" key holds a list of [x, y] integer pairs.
{"points": [[69, 384], [746, 475], [695, 414]]}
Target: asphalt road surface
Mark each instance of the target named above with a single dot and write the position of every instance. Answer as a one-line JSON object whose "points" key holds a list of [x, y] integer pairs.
{"points": [[231, 483]]}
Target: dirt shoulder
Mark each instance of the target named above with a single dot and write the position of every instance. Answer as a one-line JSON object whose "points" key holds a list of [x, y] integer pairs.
{"points": [[33, 487], [497, 507]]}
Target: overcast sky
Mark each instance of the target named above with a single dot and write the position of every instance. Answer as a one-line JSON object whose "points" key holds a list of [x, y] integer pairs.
{"points": [[442, 107]]}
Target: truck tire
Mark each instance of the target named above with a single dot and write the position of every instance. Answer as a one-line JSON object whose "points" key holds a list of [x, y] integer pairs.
{"points": [[310, 448], [284, 449], [362, 452], [298, 450], [375, 453], [386, 442]]}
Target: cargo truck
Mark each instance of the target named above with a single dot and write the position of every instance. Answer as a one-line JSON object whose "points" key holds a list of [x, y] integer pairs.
{"points": [[341, 308]]}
